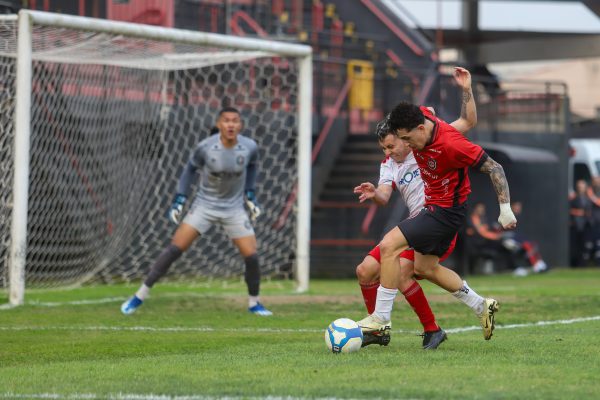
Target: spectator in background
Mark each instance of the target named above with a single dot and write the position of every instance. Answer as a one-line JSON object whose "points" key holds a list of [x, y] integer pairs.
{"points": [[523, 248], [483, 242], [490, 242], [593, 193], [580, 210]]}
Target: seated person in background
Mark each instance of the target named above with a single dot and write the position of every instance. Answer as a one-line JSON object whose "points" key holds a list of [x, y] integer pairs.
{"points": [[482, 241], [522, 247], [521, 254]]}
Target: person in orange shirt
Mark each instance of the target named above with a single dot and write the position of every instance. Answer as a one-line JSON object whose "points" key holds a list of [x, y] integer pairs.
{"points": [[482, 240]]}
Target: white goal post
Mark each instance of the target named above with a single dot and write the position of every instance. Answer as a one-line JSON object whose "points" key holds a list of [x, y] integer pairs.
{"points": [[98, 119]]}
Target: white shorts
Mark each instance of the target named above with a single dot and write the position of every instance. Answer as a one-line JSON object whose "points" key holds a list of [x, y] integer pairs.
{"points": [[234, 221]]}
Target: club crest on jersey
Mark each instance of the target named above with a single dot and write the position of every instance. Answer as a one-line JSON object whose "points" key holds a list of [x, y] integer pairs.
{"points": [[240, 160], [432, 164]]}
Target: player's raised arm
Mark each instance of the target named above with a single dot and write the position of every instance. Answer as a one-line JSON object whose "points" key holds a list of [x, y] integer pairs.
{"points": [[507, 218], [468, 110], [380, 195]]}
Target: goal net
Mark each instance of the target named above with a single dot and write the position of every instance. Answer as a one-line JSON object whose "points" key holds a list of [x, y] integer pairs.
{"points": [[98, 119]]}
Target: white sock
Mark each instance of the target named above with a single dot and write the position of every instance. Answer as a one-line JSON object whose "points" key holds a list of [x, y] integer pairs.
{"points": [[143, 292], [385, 302], [470, 298], [252, 301]]}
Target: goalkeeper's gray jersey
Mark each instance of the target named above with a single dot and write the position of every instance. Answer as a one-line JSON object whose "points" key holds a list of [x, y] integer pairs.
{"points": [[222, 171]]}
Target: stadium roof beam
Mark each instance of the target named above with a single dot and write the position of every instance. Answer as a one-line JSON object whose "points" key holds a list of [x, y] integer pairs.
{"points": [[484, 46], [539, 49], [506, 46]]}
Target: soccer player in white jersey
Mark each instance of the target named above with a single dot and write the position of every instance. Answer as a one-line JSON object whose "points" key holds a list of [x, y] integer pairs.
{"points": [[227, 163], [400, 172]]}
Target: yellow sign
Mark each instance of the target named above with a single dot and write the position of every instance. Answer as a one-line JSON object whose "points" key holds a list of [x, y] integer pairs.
{"points": [[361, 92]]}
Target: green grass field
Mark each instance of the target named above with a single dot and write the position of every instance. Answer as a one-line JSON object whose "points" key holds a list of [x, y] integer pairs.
{"points": [[196, 341]]}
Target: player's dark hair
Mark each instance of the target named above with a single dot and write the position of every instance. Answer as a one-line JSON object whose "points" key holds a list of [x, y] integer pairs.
{"points": [[383, 128], [405, 116], [229, 109]]}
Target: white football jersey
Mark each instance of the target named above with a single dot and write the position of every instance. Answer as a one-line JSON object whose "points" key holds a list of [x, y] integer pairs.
{"points": [[404, 177]]}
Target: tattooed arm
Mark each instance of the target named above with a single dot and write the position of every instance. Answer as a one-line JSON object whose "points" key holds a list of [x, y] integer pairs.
{"points": [[468, 110], [507, 219]]}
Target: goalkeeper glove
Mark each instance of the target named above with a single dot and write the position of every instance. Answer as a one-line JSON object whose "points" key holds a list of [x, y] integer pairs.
{"points": [[177, 208], [252, 204]]}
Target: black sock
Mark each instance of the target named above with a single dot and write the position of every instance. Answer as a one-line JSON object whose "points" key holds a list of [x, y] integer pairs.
{"points": [[162, 264], [252, 274]]}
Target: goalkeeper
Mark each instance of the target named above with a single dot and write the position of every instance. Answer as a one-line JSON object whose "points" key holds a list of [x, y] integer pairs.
{"points": [[226, 163]]}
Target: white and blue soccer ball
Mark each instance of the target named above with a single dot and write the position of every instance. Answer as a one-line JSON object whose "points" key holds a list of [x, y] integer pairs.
{"points": [[343, 336]]}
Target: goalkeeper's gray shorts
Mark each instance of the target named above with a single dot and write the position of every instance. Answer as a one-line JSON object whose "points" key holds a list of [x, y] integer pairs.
{"points": [[234, 221]]}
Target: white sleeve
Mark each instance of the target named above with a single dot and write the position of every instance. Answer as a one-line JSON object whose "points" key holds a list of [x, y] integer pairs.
{"points": [[386, 176]]}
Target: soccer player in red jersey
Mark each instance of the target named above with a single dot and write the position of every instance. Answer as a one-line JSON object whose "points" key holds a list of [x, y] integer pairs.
{"points": [[399, 172], [444, 156]]}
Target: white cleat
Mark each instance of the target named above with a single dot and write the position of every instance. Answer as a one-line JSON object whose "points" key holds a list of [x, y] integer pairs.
{"points": [[486, 318], [375, 330]]}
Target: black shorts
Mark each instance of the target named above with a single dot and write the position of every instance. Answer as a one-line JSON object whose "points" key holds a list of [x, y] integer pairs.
{"points": [[432, 230]]}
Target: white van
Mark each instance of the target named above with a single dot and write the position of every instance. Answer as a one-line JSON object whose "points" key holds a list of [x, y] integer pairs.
{"points": [[584, 162]]}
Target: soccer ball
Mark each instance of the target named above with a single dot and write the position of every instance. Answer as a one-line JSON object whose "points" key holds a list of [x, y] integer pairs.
{"points": [[343, 336]]}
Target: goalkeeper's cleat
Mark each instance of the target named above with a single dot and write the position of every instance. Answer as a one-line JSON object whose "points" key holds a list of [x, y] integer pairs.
{"points": [[369, 338], [131, 305], [373, 326], [259, 309], [431, 340], [486, 318]]}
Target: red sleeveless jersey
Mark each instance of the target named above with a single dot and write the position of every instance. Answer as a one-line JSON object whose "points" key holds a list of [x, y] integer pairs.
{"points": [[444, 164]]}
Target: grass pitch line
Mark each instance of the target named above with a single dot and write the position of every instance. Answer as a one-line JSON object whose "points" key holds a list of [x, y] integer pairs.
{"points": [[528, 324], [134, 396], [9, 306], [274, 330]]}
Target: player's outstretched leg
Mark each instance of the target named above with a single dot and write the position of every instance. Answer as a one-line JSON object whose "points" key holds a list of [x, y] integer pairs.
{"points": [[486, 318], [432, 335], [159, 269]]}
